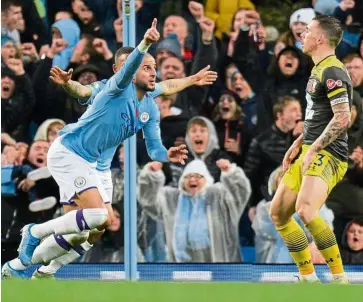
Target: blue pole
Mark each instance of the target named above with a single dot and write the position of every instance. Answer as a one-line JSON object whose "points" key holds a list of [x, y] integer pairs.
{"points": [[130, 215]]}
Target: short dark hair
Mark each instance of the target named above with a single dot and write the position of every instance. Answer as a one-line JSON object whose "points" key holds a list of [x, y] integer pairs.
{"points": [[6, 4], [123, 51], [332, 28], [282, 103]]}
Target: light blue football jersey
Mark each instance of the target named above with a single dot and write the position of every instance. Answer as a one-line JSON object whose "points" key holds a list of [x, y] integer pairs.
{"points": [[115, 115]]}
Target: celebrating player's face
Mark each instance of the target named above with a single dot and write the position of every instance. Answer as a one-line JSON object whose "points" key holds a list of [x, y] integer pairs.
{"points": [[146, 74], [310, 37]]}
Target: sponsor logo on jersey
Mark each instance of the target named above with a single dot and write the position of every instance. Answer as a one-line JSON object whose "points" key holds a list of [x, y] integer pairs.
{"points": [[144, 117], [311, 88], [332, 84], [79, 182]]}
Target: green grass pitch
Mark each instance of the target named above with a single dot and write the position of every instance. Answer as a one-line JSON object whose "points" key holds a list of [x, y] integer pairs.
{"points": [[92, 291]]}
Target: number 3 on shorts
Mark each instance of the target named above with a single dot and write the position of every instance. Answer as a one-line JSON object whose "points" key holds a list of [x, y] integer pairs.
{"points": [[319, 161]]}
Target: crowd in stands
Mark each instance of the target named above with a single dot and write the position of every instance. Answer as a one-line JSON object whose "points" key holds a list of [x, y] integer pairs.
{"points": [[237, 131]]}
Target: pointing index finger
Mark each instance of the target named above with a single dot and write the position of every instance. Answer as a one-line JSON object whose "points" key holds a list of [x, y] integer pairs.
{"points": [[155, 22]]}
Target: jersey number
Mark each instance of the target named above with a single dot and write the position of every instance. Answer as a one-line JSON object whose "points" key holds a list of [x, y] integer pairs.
{"points": [[319, 161], [309, 112]]}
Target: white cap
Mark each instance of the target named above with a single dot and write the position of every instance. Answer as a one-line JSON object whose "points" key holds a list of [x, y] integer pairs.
{"points": [[304, 15], [196, 166]]}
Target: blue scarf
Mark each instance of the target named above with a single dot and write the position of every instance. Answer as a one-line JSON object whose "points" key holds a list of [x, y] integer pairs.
{"points": [[191, 227]]}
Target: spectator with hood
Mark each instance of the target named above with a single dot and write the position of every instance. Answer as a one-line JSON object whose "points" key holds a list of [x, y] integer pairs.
{"points": [[200, 217], [48, 130], [286, 76], [68, 30], [351, 247], [202, 142], [51, 99]]}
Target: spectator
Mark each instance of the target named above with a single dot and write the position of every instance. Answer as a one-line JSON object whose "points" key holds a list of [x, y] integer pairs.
{"points": [[267, 150], [354, 64], [286, 76], [346, 199], [48, 130], [351, 248], [248, 100], [228, 119], [222, 12], [200, 218], [11, 14], [190, 100], [67, 33], [355, 130], [202, 142], [17, 100], [8, 50]]}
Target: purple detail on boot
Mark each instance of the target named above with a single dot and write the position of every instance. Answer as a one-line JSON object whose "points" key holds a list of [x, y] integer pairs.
{"points": [[62, 242], [81, 222], [80, 250]]}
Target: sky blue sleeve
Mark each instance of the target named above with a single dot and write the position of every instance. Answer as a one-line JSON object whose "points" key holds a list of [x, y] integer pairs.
{"points": [[95, 87], [154, 145], [157, 91], [121, 79]]}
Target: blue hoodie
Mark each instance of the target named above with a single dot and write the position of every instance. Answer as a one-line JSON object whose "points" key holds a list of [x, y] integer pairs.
{"points": [[70, 33]]}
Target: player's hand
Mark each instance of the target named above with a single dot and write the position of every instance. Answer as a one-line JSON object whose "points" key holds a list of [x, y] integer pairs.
{"points": [[152, 35], [224, 165], [205, 77], [59, 76], [308, 159], [26, 184], [178, 154], [290, 155], [155, 166]]}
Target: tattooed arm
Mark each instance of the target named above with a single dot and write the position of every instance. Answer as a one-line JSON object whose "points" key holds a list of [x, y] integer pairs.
{"points": [[338, 124], [77, 90], [203, 77]]}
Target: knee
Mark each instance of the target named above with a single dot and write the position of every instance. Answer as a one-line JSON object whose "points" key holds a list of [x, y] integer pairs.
{"points": [[306, 212], [98, 216], [278, 217], [77, 239]]}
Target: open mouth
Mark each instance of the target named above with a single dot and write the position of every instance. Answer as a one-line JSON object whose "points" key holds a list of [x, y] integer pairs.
{"points": [[225, 109], [193, 186], [355, 240], [6, 88], [288, 65], [40, 160], [198, 142]]}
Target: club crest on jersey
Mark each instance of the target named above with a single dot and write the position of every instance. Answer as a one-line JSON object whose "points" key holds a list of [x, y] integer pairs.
{"points": [[332, 84], [79, 182], [144, 117], [311, 88]]}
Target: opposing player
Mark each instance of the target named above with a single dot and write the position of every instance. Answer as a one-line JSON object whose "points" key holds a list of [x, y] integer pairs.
{"points": [[86, 95], [113, 117], [322, 163]]}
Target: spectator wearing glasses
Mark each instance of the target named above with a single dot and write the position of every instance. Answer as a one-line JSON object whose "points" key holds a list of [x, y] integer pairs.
{"points": [[200, 217]]}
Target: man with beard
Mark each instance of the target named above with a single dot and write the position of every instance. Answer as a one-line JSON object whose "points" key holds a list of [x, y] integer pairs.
{"points": [[354, 64]]}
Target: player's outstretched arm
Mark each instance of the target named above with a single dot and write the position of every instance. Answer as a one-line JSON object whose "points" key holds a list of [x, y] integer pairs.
{"points": [[73, 88], [124, 76], [203, 77]]}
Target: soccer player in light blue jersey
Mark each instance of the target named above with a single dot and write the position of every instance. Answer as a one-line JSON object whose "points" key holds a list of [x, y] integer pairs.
{"points": [[75, 153], [86, 96]]}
